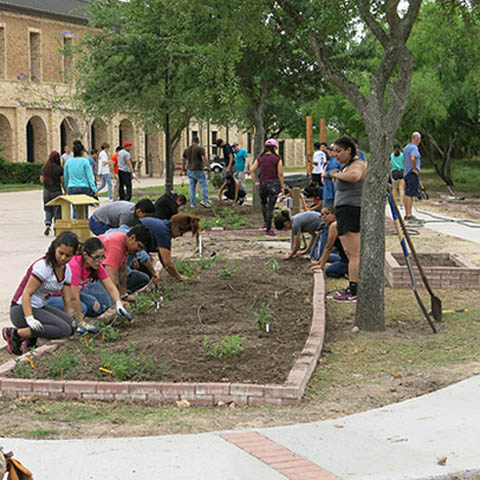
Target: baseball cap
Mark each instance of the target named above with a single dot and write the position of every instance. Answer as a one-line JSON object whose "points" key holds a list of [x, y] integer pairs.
{"points": [[127, 144]]}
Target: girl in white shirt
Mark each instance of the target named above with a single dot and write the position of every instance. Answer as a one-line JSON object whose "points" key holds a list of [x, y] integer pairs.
{"points": [[104, 170]]}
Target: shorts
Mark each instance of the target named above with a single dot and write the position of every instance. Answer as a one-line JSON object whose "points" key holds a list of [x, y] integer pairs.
{"points": [[397, 174], [348, 219], [412, 183]]}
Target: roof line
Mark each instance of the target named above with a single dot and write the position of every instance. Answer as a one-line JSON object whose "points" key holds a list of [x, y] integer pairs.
{"points": [[33, 11]]}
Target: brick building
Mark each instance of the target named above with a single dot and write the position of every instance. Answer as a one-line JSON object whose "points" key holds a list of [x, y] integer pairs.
{"points": [[34, 74]]}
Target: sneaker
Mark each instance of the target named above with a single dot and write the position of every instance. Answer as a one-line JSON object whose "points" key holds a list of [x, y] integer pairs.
{"points": [[343, 291], [47, 231], [270, 233], [346, 297], [85, 327], [14, 342], [193, 206], [240, 202], [263, 227], [206, 204], [29, 344]]}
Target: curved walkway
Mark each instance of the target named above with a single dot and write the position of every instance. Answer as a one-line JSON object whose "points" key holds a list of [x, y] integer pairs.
{"points": [[433, 436]]}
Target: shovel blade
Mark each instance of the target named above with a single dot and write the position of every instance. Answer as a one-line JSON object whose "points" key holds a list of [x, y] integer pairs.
{"points": [[436, 308]]}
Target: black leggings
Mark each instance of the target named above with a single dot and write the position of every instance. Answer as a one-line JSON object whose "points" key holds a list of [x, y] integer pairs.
{"points": [[268, 195], [56, 324]]}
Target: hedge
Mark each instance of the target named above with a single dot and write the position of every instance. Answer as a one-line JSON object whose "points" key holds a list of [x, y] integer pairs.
{"points": [[26, 172]]}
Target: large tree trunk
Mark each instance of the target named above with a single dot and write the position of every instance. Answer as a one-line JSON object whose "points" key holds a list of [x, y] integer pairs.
{"points": [[168, 156], [258, 116], [370, 305]]}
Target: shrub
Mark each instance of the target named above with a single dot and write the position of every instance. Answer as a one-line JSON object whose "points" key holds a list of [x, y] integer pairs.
{"points": [[227, 347], [25, 172]]}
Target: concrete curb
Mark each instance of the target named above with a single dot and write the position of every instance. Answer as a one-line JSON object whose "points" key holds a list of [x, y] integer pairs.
{"points": [[197, 394]]}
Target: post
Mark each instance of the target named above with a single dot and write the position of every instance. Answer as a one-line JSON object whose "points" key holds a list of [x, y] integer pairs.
{"points": [[309, 142], [296, 200], [323, 130]]}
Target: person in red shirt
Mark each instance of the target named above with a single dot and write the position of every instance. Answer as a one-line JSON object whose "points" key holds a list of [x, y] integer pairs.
{"points": [[114, 173]]}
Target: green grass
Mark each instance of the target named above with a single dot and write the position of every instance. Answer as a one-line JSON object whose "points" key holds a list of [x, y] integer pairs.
{"points": [[41, 432], [18, 187]]}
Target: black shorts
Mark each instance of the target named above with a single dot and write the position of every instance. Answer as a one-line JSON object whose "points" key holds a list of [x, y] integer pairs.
{"points": [[397, 174], [348, 219], [412, 184]]}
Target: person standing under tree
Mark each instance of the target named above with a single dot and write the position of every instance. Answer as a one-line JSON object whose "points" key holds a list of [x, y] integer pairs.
{"points": [[125, 172], [411, 173], [319, 161], [396, 159], [66, 155], [194, 161], [228, 155], [104, 164], [241, 165]]}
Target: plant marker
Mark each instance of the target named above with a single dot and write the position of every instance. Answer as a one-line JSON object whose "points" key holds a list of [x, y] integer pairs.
{"points": [[106, 370], [200, 245], [30, 360], [85, 340], [267, 328]]}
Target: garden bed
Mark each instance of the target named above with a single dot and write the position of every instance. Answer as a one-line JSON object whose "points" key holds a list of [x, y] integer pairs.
{"points": [[202, 331]]}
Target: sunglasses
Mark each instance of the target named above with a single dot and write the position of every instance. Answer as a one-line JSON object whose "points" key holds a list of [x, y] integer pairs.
{"points": [[97, 258]]}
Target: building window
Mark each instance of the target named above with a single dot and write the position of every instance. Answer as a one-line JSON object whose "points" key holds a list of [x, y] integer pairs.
{"points": [[194, 134], [67, 59], [35, 56], [214, 143], [2, 52]]}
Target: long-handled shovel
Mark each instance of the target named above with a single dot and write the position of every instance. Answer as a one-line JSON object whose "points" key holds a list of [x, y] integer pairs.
{"points": [[436, 303], [396, 217]]}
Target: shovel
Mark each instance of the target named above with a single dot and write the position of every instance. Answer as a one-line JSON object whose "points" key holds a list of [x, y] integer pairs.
{"points": [[397, 220]]}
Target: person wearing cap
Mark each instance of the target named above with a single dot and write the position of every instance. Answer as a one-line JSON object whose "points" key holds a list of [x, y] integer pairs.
{"points": [[228, 155], [125, 172], [240, 163], [270, 169]]}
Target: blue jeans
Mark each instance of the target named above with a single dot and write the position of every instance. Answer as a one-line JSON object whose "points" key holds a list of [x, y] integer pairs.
{"points": [[91, 307], [106, 180], [79, 191], [194, 177], [337, 269], [136, 280], [96, 227]]}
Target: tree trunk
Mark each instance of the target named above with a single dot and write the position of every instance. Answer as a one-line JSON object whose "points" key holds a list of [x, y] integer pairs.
{"points": [[168, 156], [370, 313]]}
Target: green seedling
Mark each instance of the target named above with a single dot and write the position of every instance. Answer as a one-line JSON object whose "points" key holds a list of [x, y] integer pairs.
{"points": [[227, 271], [23, 369], [227, 347], [109, 334], [263, 318], [63, 364], [273, 266]]}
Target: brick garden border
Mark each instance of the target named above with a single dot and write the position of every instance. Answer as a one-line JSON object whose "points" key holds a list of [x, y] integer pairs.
{"points": [[197, 394], [464, 275]]}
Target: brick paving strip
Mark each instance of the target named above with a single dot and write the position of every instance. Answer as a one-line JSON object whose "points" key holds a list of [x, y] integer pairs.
{"points": [[197, 394], [281, 459]]}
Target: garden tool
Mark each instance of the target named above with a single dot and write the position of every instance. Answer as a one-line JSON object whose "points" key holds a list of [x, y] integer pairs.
{"points": [[396, 219]]}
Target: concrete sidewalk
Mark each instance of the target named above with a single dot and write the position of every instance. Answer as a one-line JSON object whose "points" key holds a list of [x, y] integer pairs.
{"points": [[434, 436], [401, 441]]}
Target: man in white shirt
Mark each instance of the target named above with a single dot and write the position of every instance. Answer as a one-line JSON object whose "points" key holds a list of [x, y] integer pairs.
{"points": [[68, 154], [104, 170], [319, 161]]}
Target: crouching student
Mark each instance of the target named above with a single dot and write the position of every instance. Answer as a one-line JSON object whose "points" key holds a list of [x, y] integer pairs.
{"points": [[168, 205], [118, 245], [233, 190], [30, 315], [86, 268], [338, 268], [164, 230], [306, 222]]}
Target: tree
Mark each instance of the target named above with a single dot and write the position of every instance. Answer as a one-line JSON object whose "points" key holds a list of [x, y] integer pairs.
{"points": [[159, 61]]}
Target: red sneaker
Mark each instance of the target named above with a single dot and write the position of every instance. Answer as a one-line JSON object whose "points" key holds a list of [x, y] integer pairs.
{"points": [[270, 233]]}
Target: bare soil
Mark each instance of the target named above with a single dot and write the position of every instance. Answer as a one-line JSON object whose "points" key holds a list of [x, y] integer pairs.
{"points": [[217, 303], [428, 260]]}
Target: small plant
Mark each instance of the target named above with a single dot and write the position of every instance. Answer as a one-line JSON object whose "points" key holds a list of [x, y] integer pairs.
{"points": [[217, 180], [109, 334], [63, 364], [227, 347], [205, 263], [87, 344], [23, 369], [226, 272], [126, 366], [263, 317], [273, 266], [185, 267]]}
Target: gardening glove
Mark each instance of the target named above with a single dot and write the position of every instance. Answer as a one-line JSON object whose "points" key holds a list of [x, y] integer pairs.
{"points": [[34, 324], [121, 310]]}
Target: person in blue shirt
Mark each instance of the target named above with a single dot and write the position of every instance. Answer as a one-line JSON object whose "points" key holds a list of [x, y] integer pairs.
{"points": [[328, 186], [360, 153], [411, 173], [241, 166]]}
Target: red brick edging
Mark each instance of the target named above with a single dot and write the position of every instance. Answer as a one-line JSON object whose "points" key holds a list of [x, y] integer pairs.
{"points": [[289, 393]]}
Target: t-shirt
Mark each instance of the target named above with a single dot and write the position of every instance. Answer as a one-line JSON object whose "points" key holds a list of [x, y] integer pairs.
{"points": [[240, 160], [361, 154], [166, 207], [307, 222], [78, 173], [268, 166], [115, 162], [115, 249], [81, 275], [123, 156], [53, 184], [116, 213], [227, 150], [161, 231], [93, 165], [194, 155], [65, 157], [408, 151], [397, 162], [103, 167], [329, 188], [320, 159], [49, 282]]}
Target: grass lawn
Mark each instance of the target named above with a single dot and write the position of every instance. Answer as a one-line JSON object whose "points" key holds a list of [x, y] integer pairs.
{"points": [[18, 187]]}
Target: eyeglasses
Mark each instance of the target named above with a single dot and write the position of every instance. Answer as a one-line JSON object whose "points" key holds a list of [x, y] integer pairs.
{"points": [[97, 258]]}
